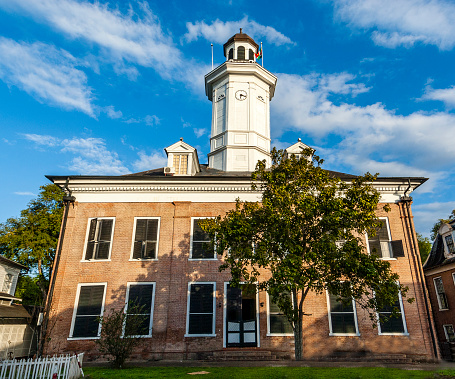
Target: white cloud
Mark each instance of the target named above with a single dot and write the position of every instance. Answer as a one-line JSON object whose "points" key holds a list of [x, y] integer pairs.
{"points": [[92, 155], [199, 132], [220, 31], [112, 113], [46, 73], [149, 120], [446, 95], [426, 215], [149, 162], [25, 193], [402, 22], [408, 145], [42, 140]]}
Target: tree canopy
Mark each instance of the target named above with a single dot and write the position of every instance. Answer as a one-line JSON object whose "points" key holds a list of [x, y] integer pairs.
{"points": [[424, 247], [32, 238], [307, 234]]}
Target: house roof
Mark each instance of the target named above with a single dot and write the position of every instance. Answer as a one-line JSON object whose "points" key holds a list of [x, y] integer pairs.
{"points": [[13, 311], [6, 295], [12, 263], [436, 257]]}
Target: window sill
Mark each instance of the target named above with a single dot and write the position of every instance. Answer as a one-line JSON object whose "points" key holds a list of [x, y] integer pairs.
{"points": [[147, 336], [82, 338], [199, 335], [443, 309], [143, 260], [388, 259], [280, 334], [202, 259], [393, 334], [95, 260], [344, 334]]}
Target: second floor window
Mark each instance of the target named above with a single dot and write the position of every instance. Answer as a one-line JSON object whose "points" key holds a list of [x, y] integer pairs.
{"points": [[200, 242], [99, 238], [381, 244], [440, 293], [145, 245]]}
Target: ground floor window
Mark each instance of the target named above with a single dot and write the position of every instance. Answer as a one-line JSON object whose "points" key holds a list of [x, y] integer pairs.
{"points": [[278, 323], [342, 315], [201, 309], [392, 325], [139, 309], [88, 308], [449, 332]]}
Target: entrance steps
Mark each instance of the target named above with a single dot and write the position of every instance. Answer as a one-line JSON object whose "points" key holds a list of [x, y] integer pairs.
{"points": [[244, 355]]}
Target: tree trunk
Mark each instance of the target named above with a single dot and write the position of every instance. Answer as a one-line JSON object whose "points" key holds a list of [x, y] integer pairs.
{"points": [[298, 338]]}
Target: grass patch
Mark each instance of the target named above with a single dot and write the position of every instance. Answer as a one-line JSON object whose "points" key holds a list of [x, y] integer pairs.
{"points": [[264, 372]]}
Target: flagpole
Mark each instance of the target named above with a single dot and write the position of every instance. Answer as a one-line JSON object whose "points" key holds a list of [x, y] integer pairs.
{"points": [[212, 54], [262, 58]]}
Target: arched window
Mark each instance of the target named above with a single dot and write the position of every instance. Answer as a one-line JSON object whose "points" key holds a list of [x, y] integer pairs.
{"points": [[241, 53], [251, 58], [231, 54]]}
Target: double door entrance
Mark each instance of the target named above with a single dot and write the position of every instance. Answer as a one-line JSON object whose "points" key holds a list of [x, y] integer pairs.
{"points": [[241, 316]]}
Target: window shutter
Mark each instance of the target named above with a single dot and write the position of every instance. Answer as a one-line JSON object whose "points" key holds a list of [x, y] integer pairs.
{"points": [[251, 57], [137, 250], [152, 230], [91, 239], [231, 54], [105, 230], [383, 233], [397, 248], [241, 53], [141, 230]]}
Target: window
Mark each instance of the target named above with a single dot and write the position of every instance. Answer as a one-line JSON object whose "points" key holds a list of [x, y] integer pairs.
{"points": [[440, 293], [87, 309], [201, 309], [392, 325], [146, 233], [99, 238], [450, 245], [7, 283], [200, 242], [231, 54], [181, 164], [139, 303], [342, 316], [251, 55], [449, 332], [381, 245], [241, 53], [278, 323]]}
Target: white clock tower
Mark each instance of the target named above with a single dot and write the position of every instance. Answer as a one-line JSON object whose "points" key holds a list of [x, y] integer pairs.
{"points": [[240, 90]]}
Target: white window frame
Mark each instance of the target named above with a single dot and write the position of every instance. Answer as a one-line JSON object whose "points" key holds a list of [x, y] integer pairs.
{"points": [[403, 318], [134, 238], [445, 330], [269, 333], [213, 334], [76, 302], [86, 239], [8, 284], [128, 286], [453, 277], [389, 241], [437, 295], [191, 243], [356, 323], [451, 234]]}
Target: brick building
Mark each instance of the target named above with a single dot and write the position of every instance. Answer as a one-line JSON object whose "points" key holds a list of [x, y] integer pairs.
{"points": [[136, 238], [439, 271]]}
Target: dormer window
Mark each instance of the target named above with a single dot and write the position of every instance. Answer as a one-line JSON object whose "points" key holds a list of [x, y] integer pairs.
{"points": [[181, 164], [241, 53], [450, 245], [251, 55]]}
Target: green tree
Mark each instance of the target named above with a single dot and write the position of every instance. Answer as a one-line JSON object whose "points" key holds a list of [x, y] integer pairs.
{"points": [[305, 235], [437, 225], [29, 291], [424, 247], [118, 337], [32, 238]]}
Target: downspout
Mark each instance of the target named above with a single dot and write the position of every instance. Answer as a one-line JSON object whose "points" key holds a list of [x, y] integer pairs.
{"points": [[67, 199], [406, 200]]}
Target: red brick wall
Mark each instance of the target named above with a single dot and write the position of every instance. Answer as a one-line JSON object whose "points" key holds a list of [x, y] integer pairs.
{"points": [[173, 271]]}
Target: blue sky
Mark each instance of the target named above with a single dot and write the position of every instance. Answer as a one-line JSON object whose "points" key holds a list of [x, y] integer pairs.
{"points": [[102, 88]]}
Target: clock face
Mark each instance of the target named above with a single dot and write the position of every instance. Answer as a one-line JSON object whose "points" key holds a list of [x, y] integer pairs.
{"points": [[240, 95]]}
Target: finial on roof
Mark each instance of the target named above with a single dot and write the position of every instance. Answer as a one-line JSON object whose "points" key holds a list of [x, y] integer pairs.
{"points": [[181, 138], [240, 30], [299, 139]]}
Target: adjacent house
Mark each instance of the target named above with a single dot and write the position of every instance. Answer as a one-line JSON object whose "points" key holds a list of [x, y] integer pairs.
{"points": [[136, 238], [439, 271], [17, 335]]}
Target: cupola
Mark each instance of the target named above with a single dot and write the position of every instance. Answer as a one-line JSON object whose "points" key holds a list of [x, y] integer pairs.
{"points": [[241, 47]]}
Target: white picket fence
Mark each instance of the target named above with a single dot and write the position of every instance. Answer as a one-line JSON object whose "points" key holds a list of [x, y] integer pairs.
{"points": [[56, 367]]}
